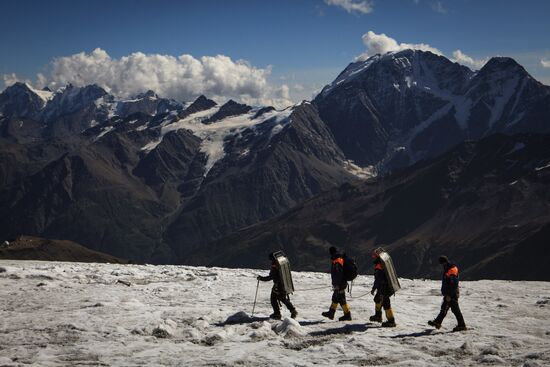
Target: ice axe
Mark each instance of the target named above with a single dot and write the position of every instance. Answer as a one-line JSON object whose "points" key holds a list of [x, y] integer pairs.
{"points": [[255, 298]]}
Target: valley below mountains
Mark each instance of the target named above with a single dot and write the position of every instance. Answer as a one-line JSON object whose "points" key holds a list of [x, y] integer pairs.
{"points": [[406, 149]]}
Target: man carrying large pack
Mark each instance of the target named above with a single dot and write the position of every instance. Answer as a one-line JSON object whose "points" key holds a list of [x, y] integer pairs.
{"points": [[383, 288], [339, 285], [280, 292]]}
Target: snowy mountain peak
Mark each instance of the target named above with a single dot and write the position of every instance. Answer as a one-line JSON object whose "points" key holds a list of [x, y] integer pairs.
{"points": [[21, 100], [426, 103]]}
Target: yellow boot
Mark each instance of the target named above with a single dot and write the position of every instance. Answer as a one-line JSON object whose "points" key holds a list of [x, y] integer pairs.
{"points": [[347, 313], [377, 317], [391, 319]]}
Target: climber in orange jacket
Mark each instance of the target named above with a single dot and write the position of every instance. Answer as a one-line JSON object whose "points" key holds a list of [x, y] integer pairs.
{"points": [[339, 285], [450, 291]]}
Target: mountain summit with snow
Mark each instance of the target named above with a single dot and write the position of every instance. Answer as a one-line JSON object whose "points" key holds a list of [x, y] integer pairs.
{"points": [[394, 109]]}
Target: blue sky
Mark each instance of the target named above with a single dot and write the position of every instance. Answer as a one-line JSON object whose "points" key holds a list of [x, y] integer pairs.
{"points": [[302, 44]]}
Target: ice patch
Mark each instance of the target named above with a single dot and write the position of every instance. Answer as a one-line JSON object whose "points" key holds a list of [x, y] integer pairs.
{"points": [[44, 95], [506, 92], [214, 135], [289, 327]]}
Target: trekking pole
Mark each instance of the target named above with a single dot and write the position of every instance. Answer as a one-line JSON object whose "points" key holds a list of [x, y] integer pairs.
{"points": [[255, 297]]}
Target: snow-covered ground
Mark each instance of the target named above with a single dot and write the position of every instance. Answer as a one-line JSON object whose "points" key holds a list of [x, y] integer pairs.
{"points": [[65, 314]]}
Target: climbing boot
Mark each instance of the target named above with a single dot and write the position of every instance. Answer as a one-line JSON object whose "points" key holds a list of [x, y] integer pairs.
{"points": [[377, 317], [331, 311], [347, 313], [275, 316], [391, 320], [460, 328], [346, 317], [435, 324], [293, 314]]}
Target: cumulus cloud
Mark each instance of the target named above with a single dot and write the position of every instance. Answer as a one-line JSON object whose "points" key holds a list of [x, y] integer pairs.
{"points": [[545, 63], [462, 58], [381, 44], [10, 79], [352, 6], [183, 78]]}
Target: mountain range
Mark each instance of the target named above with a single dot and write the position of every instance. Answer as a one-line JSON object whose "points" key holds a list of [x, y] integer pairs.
{"points": [[156, 180]]}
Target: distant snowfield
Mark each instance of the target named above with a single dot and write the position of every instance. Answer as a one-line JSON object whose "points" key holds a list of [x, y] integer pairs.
{"points": [[64, 314]]}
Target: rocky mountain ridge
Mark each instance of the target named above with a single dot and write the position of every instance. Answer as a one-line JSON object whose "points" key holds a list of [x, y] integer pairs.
{"points": [[155, 180]]}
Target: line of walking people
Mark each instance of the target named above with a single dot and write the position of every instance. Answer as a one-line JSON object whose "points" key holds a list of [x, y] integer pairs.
{"points": [[381, 290]]}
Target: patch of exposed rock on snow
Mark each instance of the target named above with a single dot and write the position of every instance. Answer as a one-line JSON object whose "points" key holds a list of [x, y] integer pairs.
{"points": [[55, 314]]}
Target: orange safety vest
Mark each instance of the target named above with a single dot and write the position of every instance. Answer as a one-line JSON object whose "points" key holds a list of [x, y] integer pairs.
{"points": [[452, 272], [338, 261], [378, 266]]}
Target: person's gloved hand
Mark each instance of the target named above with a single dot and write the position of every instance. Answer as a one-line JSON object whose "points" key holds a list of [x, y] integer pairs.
{"points": [[372, 291], [447, 298], [259, 277]]}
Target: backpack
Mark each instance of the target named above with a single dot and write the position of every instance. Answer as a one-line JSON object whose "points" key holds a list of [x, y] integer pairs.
{"points": [[350, 268]]}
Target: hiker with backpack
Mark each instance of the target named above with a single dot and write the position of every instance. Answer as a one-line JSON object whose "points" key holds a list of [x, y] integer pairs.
{"points": [[339, 284], [278, 293], [383, 291]]}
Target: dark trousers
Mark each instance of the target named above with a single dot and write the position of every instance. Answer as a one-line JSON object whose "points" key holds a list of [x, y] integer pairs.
{"points": [[280, 297], [453, 305], [339, 297], [379, 298]]}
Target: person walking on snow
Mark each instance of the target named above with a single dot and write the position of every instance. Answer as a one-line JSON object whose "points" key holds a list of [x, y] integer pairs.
{"points": [[339, 285], [278, 293], [450, 292], [383, 293]]}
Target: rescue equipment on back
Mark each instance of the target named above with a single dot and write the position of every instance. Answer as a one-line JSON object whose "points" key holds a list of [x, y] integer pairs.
{"points": [[284, 272], [389, 269]]}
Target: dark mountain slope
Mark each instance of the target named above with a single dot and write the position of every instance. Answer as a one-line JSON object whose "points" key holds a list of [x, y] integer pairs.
{"points": [[485, 204]]}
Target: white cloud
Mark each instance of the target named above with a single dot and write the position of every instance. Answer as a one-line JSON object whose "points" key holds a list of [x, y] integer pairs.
{"points": [[352, 6], [545, 63], [182, 78], [462, 58], [381, 44], [10, 79]]}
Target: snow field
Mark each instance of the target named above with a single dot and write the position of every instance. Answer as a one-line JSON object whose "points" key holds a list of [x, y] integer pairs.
{"points": [[59, 314]]}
